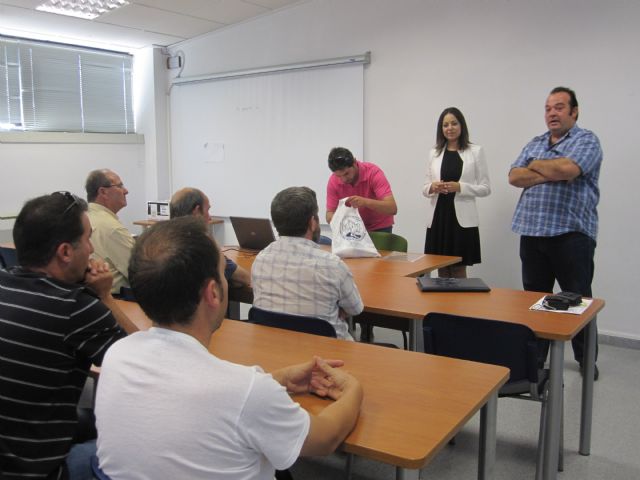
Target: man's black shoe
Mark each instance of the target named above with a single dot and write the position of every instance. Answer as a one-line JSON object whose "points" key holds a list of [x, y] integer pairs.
{"points": [[596, 372]]}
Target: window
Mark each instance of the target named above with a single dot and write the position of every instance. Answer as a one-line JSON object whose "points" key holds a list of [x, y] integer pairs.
{"points": [[64, 88]]}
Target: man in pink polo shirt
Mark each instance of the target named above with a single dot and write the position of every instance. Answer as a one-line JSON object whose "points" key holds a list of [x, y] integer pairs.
{"points": [[365, 186]]}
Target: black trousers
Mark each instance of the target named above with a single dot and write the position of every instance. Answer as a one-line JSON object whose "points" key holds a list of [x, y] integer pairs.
{"points": [[567, 259]]}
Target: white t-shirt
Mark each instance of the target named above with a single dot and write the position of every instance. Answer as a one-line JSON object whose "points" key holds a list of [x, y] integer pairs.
{"points": [[167, 408]]}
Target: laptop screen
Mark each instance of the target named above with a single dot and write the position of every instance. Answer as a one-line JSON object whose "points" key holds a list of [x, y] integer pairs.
{"points": [[252, 233]]}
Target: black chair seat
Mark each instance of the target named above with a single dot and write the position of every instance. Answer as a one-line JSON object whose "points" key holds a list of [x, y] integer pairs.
{"points": [[507, 344], [297, 323], [8, 257]]}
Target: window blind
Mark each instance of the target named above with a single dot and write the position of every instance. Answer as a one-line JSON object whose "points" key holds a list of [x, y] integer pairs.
{"points": [[63, 88]]}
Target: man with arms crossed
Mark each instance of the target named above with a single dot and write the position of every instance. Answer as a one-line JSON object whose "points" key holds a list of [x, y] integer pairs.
{"points": [[556, 215], [191, 201], [294, 275], [167, 408], [366, 188], [107, 195], [55, 321]]}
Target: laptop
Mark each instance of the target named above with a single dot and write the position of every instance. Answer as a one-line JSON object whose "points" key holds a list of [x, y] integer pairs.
{"points": [[427, 284], [252, 233]]}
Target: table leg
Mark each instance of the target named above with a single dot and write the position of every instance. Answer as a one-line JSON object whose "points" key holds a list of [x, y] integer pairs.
{"points": [[554, 413], [487, 447], [404, 474], [586, 411], [415, 336]]}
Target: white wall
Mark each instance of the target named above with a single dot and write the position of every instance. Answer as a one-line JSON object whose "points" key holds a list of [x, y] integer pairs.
{"points": [[151, 100], [29, 170], [494, 59]]}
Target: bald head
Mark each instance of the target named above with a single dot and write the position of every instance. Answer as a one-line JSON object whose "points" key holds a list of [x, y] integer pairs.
{"points": [[189, 201], [106, 188]]}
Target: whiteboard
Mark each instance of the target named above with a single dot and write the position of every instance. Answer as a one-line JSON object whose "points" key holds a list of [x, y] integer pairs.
{"points": [[242, 140]]}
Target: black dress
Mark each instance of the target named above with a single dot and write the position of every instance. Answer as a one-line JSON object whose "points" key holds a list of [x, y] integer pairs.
{"points": [[446, 236]]}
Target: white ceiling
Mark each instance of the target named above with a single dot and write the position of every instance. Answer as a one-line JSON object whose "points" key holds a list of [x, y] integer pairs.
{"points": [[140, 24]]}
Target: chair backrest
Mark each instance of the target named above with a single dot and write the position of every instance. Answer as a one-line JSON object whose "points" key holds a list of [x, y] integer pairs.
{"points": [[126, 294], [389, 241], [8, 257], [487, 341], [297, 323]]}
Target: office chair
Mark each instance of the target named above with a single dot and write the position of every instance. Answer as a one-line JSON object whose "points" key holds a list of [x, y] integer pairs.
{"points": [[500, 343], [395, 243], [126, 294], [297, 323], [8, 257], [389, 241], [302, 324]]}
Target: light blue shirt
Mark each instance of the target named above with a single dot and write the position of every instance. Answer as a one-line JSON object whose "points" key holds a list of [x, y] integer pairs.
{"points": [[554, 208]]}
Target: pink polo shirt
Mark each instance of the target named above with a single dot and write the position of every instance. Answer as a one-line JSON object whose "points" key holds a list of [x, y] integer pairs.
{"points": [[371, 184]]}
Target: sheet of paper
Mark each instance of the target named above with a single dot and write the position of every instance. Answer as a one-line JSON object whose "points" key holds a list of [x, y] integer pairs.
{"points": [[213, 152], [577, 310], [403, 257]]}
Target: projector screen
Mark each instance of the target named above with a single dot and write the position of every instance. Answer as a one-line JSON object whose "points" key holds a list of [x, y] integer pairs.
{"points": [[241, 140]]}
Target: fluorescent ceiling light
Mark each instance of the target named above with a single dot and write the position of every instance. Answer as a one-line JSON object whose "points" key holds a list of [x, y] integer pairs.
{"points": [[88, 9]]}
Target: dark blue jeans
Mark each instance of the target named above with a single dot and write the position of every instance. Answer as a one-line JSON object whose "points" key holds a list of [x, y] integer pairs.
{"points": [[567, 259]]}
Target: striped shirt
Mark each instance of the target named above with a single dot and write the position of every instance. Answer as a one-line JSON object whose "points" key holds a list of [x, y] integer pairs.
{"points": [[294, 275], [50, 334], [553, 208]]}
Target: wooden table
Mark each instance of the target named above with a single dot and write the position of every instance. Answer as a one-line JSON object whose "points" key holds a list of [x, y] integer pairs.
{"points": [[152, 221], [399, 296], [395, 293], [413, 404], [397, 264]]}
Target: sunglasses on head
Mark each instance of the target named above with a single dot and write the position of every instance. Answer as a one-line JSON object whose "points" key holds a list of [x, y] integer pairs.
{"points": [[69, 197]]}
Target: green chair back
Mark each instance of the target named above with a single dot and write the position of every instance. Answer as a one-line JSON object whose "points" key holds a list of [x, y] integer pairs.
{"points": [[389, 241]]}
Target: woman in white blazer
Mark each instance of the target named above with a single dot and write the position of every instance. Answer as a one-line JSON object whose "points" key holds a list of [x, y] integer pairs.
{"points": [[457, 173]]}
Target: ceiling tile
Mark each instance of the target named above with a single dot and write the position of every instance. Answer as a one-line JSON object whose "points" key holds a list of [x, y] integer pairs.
{"points": [[30, 4], [60, 28], [273, 4], [142, 23], [158, 21], [221, 11]]}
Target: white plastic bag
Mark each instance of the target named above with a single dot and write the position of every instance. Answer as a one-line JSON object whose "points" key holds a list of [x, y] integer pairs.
{"points": [[350, 237]]}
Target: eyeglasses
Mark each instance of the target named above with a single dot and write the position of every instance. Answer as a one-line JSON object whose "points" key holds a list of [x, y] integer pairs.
{"points": [[70, 197], [119, 185]]}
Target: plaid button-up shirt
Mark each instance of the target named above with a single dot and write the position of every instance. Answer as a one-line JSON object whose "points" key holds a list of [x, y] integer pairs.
{"points": [[294, 275], [554, 208]]}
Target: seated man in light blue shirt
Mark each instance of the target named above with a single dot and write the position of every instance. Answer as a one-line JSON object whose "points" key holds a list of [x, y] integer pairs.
{"points": [[294, 275]]}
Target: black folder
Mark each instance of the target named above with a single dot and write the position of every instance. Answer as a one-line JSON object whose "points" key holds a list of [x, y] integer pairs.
{"points": [[427, 284]]}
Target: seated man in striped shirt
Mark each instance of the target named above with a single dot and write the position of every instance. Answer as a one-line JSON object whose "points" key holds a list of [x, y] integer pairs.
{"points": [[57, 317], [294, 275]]}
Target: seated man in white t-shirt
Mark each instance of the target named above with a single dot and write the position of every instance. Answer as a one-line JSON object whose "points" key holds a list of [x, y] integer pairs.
{"points": [[167, 408]]}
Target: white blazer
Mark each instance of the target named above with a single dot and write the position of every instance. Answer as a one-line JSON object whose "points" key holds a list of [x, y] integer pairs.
{"points": [[474, 182]]}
